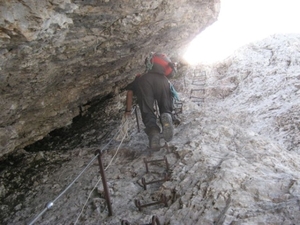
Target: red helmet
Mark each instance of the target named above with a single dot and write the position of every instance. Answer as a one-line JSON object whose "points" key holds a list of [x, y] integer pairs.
{"points": [[160, 63]]}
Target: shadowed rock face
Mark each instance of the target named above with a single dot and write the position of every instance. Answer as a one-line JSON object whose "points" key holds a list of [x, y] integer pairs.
{"points": [[58, 55], [234, 158]]}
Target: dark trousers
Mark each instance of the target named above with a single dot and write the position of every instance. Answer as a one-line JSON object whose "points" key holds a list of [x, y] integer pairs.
{"points": [[151, 87]]}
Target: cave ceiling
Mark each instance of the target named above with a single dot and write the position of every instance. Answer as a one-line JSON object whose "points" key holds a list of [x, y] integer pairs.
{"points": [[58, 55]]}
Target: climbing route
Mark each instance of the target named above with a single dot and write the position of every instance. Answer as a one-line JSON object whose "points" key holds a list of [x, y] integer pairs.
{"points": [[197, 93]]}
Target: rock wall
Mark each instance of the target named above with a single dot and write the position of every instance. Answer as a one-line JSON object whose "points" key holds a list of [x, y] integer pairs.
{"points": [[58, 55], [234, 158], [265, 81]]}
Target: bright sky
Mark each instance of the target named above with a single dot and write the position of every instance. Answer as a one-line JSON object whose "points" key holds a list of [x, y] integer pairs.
{"points": [[241, 22]]}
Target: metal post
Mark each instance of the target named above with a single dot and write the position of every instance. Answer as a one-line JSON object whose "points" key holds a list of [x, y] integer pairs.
{"points": [[157, 160], [137, 118], [166, 177], [106, 191], [146, 164], [163, 200], [155, 220], [125, 222]]}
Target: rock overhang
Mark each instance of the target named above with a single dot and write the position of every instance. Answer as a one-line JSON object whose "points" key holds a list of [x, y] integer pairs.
{"points": [[57, 55]]}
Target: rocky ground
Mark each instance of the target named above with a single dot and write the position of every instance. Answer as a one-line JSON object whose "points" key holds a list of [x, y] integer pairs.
{"points": [[233, 160]]}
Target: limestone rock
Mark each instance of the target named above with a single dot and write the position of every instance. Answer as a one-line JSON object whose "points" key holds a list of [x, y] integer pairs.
{"points": [[58, 55], [233, 160]]}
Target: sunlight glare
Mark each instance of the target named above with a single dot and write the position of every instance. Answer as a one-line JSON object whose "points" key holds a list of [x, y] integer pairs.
{"points": [[241, 22]]}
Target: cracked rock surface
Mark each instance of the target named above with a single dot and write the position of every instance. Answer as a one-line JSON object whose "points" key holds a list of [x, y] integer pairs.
{"points": [[57, 56], [233, 159]]}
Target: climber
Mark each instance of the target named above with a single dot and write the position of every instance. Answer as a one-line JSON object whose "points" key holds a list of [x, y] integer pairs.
{"points": [[151, 86]]}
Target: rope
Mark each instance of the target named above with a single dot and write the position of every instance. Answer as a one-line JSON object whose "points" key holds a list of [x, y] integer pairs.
{"points": [[100, 176], [87, 201], [123, 130], [116, 152], [50, 204]]}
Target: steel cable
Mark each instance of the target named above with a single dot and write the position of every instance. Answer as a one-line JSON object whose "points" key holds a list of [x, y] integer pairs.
{"points": [[50, 204], [100, 176]]}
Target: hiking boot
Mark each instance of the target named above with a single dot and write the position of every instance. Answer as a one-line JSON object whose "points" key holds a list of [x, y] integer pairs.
{"points": [[154, 141], [167, 126], [154, 137]]}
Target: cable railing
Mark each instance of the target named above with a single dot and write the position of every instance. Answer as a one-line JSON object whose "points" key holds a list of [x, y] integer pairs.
{"points": [[97, 155]]}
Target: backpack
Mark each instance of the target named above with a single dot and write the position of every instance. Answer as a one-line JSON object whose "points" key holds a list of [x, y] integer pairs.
{"points": [[160, 63]]}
